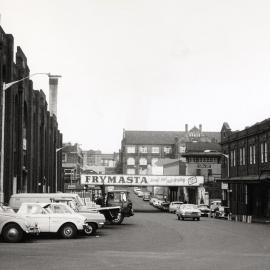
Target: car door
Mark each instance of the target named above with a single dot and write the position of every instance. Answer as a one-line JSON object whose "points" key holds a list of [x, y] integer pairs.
{"points": [[40, 216]]}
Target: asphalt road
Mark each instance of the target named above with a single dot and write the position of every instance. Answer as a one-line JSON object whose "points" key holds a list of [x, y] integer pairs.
{"points": [[149, 240]]}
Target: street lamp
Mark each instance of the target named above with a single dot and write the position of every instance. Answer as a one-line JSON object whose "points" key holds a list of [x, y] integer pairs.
{"points": [[5, 87]]}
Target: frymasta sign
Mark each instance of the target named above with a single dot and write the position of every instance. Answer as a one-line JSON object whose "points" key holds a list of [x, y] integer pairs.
{"points": [[140, 180]]}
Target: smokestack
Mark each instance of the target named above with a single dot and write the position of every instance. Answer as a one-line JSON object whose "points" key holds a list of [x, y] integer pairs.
{"points": [[186, 128], [200, 127], [53, 82]]}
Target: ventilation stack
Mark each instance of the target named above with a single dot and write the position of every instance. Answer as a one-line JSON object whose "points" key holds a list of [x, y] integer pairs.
{"points": [[53, 82]]}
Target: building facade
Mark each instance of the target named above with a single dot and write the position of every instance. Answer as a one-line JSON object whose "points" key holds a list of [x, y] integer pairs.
{"points": [[31, 135], [100, 163], [246, 172], [140, 150], [72, 163]]}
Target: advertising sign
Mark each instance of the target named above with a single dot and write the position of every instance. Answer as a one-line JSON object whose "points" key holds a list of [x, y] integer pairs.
{"points": [[140, 180]]}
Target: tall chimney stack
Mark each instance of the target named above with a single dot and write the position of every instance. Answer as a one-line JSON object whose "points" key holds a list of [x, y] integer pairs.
{"points": [[186, 128], [53, 82]]}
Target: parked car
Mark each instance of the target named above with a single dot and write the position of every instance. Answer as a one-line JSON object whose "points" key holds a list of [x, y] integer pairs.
{"points": [[136, 190], [94, 219], [188, 211], [214, 206], [205, 210], [14, 227], [54, 218], [146, 196], [140, 193], [164, 206], [174, 205]]}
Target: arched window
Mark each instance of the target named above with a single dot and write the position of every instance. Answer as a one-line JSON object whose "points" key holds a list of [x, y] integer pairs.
{"points": [[130, 161]]}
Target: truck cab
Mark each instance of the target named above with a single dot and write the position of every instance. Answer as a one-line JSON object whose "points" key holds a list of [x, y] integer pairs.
{"points": [[119, 198]]}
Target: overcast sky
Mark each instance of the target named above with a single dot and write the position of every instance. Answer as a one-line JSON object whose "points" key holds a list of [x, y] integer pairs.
{"points": [[146, 64]]}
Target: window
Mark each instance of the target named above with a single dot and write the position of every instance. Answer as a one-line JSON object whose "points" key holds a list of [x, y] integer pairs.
{"points": [[155, 149], [242, 156], [182, 149], [130, 171], [264, 152], [143, 149], [209, 172], [143, 161], [198, 172], [252, 154], [131, 161], [233, 158], [167, 149], [131, 149]]}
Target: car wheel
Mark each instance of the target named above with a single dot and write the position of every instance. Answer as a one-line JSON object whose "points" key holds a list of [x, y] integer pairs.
{"points": [[91, 229], [178, 217], [198, 219], [12, 233], [68, 231], [183, 218], [118, 220]]}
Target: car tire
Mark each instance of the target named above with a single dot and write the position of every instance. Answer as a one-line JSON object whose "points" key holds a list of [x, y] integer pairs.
{"points": [[118, 220], [91, 229], [198, 219], [68, 231], [12, 233], [183, 218], [178, 217]]}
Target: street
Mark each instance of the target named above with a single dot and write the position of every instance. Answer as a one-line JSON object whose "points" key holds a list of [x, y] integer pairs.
{"points": [[148, 240]]}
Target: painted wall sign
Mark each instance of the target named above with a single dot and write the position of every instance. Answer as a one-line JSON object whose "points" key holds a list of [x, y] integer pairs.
{"points": [[141, 180]]}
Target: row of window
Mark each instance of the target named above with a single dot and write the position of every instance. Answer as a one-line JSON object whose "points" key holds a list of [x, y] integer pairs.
{"points": [[145, 149], [252, 155], [142, 161], [202, 159], [131, 149]]}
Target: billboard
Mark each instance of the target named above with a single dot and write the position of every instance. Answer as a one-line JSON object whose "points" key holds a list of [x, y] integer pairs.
{"points": [[140, 180]]}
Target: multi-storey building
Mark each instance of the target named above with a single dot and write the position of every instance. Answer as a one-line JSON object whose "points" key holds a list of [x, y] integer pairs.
{"points": [[99, 162], [31, 135], [246, 170], [140, 150], [72, 163]]}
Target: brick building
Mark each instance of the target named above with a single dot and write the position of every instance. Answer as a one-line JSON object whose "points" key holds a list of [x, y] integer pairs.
{"points": [[140, 150], [31, 134], [246, 172]]}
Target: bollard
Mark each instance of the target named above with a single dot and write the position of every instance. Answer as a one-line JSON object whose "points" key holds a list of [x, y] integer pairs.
{"points": [[244, 218]]}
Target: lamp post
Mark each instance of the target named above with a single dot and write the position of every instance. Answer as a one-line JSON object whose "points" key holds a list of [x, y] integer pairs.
{"points": [[5, 87]]}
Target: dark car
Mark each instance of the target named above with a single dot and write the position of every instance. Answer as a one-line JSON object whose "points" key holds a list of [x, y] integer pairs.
{"points": [[205, 210]]}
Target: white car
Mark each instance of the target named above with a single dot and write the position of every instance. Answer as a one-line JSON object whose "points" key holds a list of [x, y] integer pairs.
{"points": [[13, 227], [188, 211], [174, 205], [54, 218]]}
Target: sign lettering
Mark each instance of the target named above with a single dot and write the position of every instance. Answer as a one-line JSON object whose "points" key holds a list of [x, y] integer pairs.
{"points": [[139, 180]]}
